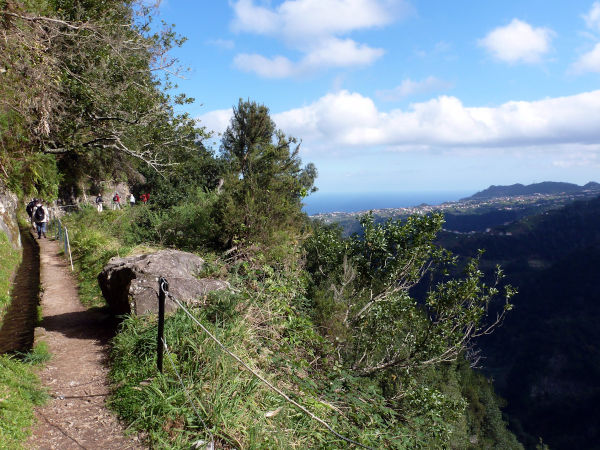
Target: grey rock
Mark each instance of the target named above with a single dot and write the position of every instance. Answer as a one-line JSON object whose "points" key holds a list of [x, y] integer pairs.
{"points": [[8, 217], [130, 285]]}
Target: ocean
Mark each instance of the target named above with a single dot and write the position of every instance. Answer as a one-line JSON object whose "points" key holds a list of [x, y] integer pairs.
{"points": [[326, 202]]}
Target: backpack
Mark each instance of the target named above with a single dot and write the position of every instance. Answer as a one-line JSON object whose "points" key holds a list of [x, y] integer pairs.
{"points": [[39, 214], [29, 208], [116, 198]]}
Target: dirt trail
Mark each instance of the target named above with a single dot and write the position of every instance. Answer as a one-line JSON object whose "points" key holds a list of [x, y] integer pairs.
{"points": [[76, 416]]}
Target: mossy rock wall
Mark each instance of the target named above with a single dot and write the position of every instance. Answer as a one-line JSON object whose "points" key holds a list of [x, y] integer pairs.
{"points": [[9, 204]]}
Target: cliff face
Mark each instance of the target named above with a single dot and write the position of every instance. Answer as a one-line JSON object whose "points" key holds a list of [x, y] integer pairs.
{"points": [[9, 205]]}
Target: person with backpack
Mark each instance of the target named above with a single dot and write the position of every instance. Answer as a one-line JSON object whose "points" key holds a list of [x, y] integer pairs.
{"points": [[131, 200], [29, 208], [40, 217], [99, 201], [116, 203]]}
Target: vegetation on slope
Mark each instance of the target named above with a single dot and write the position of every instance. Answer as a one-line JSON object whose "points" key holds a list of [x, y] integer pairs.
{"points": [[331, 321], [544, 359]]}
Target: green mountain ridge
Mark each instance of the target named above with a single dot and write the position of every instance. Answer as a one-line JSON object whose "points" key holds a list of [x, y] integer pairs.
{"points": [[546, 187], [544, 359]]}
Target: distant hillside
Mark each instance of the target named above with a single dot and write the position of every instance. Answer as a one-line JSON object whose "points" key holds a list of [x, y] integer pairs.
{"points": [[546, 187], [545, 360]]}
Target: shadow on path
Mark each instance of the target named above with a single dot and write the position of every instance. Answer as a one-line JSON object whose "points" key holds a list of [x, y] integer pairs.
{"points": [[95, 323]]}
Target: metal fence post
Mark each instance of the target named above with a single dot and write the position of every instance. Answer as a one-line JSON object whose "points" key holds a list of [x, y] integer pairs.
{"points": [[163, 287], [66, 250], [68, 247]]}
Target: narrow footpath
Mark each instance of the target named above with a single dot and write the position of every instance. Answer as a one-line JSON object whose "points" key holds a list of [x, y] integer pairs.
{"points": [[76, 376]]}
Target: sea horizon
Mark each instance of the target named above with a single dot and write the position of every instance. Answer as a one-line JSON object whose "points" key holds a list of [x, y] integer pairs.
{"points": [[328, 202]]}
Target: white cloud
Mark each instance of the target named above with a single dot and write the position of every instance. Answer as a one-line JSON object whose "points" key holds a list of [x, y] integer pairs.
{"points": [[316, 29], [331, 53], [277, 67], [589, 62], [592, 18], [350, 119], [345, 120], [216, 120], [409, 87], [518, 42], [301, 20]]}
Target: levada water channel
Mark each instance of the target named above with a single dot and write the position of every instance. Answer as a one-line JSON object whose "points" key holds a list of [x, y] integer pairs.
{"points": [[16, 333]]}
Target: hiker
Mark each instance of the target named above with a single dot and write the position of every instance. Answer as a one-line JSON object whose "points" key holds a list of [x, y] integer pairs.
{"points": [[116, 202], [40, 216], [99, 201], [29, 208], [131, 200], [143, 198]]}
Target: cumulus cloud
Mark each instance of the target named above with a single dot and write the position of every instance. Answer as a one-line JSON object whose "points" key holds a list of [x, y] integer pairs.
{"points": [[518, 42], [592, 18], [301, 20], [332, 52], [216, 120], [316, 29], [589, 62], [350, 119], [409, 87], [346, 119]]}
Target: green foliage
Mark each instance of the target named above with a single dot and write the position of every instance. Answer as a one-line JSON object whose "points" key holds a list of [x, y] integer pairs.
{"points": [[265, 183], [33, 175], [365, 282], [95, 238], [82, 84], [20, 391], [260, 322], [193, 170]]}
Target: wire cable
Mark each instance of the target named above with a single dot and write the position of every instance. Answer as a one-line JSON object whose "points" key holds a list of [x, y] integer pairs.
{"points": [[260, 377]]}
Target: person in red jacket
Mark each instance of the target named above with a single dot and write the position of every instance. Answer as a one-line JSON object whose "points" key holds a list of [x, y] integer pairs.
{"points": [[116, 201]]}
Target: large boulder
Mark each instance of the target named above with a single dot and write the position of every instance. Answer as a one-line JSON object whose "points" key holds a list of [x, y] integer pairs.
{"points": [[130, 285]]}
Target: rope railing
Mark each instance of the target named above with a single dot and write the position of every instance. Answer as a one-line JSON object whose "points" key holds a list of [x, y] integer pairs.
{"points": [[61, 234], [164, 292]]}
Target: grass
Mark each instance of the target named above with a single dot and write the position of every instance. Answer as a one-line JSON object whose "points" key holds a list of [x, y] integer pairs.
{"points": [[95, 238], [260, 320], [9, 260], [238, 409], [20, 392]]}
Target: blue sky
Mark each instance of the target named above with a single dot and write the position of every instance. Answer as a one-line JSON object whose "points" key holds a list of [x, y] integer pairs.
{"points": [[397, 95]]}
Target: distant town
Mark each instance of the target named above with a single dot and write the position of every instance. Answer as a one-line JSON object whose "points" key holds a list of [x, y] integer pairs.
{"points": [[505, 208]]}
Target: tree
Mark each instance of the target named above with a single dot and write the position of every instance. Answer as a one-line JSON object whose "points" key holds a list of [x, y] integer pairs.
{"points": [[79, 81], [365, 283], [265, 182]]}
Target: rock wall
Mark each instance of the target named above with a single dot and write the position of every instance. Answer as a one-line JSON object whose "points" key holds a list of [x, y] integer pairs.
{"points": [[9, 204]]}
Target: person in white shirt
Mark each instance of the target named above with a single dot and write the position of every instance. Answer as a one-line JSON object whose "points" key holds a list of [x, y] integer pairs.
{"points": [[40, 217], [131, 200]]}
